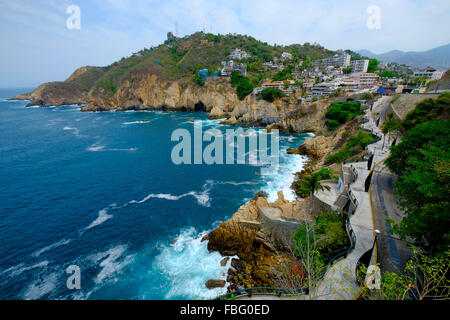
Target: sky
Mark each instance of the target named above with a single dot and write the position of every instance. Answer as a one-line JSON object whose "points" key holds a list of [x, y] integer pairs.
{"points": [[37, 46]]}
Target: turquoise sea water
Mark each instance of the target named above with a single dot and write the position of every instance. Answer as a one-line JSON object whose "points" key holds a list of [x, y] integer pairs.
{"points": [[99, 190]]}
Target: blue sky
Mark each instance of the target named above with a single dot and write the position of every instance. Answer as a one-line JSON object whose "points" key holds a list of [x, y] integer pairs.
{"points": [[38, 47]]}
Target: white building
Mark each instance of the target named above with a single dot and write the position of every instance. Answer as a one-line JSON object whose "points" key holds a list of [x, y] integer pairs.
{"points": [[286, 56], [360, 65], [229, 66], [365, 78], [238, 54], [341, 61], [430, 73]]}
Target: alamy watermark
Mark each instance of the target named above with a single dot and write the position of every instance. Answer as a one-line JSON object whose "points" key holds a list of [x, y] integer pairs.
{"points": [[73, 282], [73, 22], [374, 17], [235, 149]]}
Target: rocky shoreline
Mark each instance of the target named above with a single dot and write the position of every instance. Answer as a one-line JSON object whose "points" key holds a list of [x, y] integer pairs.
{"points": [[262, 256]]}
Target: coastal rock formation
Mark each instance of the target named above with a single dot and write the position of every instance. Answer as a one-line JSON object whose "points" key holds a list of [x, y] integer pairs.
{"points": [[147, 91], [212, 284], [262, 255]]}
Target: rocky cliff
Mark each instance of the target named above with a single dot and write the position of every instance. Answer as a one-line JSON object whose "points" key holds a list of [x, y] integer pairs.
{"points": [[146, 91]]}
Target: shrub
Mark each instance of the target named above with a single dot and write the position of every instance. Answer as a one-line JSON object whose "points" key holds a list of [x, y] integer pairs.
{"points": [[339, 156], [354, 146], [270, 94], [332, 124], [242, 84], [330, 236], [422, 162], [260, 194], [428, 109], [367, 96], [310, 182], [199, 80], [339, 113]]}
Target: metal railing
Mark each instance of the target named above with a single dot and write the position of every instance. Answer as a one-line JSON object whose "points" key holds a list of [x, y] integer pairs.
{"points": [[354, 173], [270, 291]]}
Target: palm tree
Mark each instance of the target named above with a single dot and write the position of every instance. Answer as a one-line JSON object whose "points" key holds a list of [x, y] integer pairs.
{"points": [[312, 183], [390, 125]]}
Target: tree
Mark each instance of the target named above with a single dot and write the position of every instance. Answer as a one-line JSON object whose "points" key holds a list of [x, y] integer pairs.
{"points": [[422, 162], [199, 80], [347, 70], [390, 125], [424, 278], [373, 65], [270, 94], [243, 85], [367, 96], [312, 182], [306, 251]]}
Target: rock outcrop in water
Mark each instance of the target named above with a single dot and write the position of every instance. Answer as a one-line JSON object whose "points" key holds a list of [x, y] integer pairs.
{"points": [[262, 250]]}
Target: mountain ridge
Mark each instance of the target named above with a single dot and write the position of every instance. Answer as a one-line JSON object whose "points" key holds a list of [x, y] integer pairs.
{"points": [[438, 57]]}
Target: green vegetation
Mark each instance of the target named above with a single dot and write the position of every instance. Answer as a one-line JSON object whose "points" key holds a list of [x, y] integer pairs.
{"points": [[367, 96], [310, 183], [428, 109], [108, 86], [328, 235], [180, 58], [284, 74], [199, 80], [260, 194], [373, 65], [390, 125], [347, 70], [353, 147], [242, 84], [340, 113], [270, 94], [424, 278], [422, 162], [389, 74]]}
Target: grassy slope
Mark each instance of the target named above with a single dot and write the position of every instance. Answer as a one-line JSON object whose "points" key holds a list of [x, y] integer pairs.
{"points": [[181, 58]]}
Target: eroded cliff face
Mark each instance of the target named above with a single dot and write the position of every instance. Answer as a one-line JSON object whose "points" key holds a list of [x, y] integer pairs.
{"points": [[263, 259], [147, 91]]}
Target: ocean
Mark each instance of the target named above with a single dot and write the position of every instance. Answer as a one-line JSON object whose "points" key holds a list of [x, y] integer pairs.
{"points": [[99, 191]]}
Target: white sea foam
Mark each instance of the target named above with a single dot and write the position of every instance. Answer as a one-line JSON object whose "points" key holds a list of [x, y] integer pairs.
{"points": [[111, 263], [202, 197], [187, 265], [41, 287], [60, 243], [74, 130], [20, 268], [136, 122], [96, 147], [102, 217], [283, 179]]}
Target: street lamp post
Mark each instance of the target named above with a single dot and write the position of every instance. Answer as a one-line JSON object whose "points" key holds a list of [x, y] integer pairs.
{"points": [[377, 233]]}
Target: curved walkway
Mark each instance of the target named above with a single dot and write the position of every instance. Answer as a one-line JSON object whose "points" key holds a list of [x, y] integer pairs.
{"points": [[339, 282]]}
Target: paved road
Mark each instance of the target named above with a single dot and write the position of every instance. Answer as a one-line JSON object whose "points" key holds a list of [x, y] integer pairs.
{"points": [[392, 253]]}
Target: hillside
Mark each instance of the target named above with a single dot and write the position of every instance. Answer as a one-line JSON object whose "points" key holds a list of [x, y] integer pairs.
{"points": [[438, 57], [161, 77], [441, 84]]}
